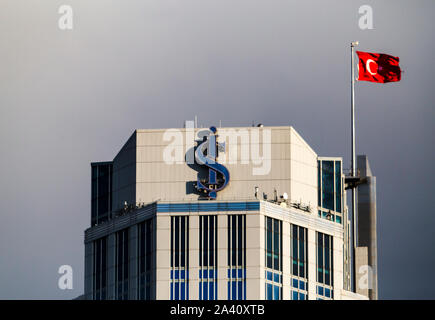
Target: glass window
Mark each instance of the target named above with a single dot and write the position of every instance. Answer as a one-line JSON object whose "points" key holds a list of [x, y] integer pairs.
{"points": [[319, 183], [299, 263], [269, 243], [101, 192], [330, 188], [179, 257], [144, 259], [208, 257], [100, 269], [236, 257], [273, 258], [295, 295], [298, 251], [320, 257], [276, 292], [240, 233], [273, 243], [269, 291], [328, 185], [177, 242], [122, 265], [324, 261], [338, 186]]}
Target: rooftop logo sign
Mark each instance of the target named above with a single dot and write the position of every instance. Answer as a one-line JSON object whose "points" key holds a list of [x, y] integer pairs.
{"points": [[218, 175], [214, 155]]}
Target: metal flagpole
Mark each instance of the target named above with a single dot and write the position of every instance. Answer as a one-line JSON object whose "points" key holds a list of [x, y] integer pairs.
{"points": [[353, 168]]}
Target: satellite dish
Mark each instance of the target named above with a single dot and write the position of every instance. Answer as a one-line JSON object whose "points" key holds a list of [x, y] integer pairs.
{"points": [[285, 196]]}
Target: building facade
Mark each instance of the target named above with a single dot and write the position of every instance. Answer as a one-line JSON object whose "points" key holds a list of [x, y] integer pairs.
{"points": [[220, 213]]}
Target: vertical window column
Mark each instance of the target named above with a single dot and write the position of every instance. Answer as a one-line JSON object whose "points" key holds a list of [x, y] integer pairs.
{"points": [[273, 273], [179, 258], [330, 189], [145, 249], [325, 279], [236, 257], [100, 269], [101, 193], [299, 262], [208, 257], [122, 265]]}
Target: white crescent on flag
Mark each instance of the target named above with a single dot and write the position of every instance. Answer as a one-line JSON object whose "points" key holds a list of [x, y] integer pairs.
{"points": [[368, 66]]}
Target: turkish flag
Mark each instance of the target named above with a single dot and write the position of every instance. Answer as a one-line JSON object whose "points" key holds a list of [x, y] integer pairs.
{"points": [[378, 67]]}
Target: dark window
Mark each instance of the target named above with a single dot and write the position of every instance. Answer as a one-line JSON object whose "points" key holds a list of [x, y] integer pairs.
{"points": [[298, 251], [330, 188], [100, 269], [324, 259], [101, 192], [145, 259], [338, 186], [236, 240], [273, 243], [122, 265], [183, 242], [208, 257], [236, 285], [240, 233], [179, 258], [269, 233], [328, 185], [319, 183]]}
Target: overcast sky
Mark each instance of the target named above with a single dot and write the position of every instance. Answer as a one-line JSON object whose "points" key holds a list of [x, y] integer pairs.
{"points": [[68, 98]]}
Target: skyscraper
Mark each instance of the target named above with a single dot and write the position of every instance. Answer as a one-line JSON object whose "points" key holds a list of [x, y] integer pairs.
{"points": [[220, 213]]}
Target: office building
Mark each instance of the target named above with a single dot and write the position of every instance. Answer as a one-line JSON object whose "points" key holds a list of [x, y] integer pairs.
{"points": [[221, 213]]}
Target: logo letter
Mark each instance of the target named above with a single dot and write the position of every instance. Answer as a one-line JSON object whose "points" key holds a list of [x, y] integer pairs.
{"points": [[265, 160], [190, 142], [214, 183]]}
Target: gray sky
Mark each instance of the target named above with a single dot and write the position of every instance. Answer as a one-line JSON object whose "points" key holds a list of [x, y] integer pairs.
{"points": [[71, 97]]}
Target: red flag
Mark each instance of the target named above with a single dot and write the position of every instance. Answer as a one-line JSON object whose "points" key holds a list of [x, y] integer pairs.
{"points": [[378, 67]]}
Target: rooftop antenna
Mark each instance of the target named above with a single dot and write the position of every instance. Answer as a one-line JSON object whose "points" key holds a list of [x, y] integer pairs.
{"points": [[196, 121]]}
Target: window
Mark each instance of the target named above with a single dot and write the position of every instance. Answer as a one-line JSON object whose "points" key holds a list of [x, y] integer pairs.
{"points": [[338, 183], [101, 193], [145, 250], [325, 277], [330, 189], [273, 273], [179, 258], [299, 262], [328, 185], [208, 257], [122, 257], [100, 269], [236, 257]]}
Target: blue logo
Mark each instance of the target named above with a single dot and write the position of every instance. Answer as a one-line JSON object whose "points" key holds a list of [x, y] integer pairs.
{"points": [[218, 175]]}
